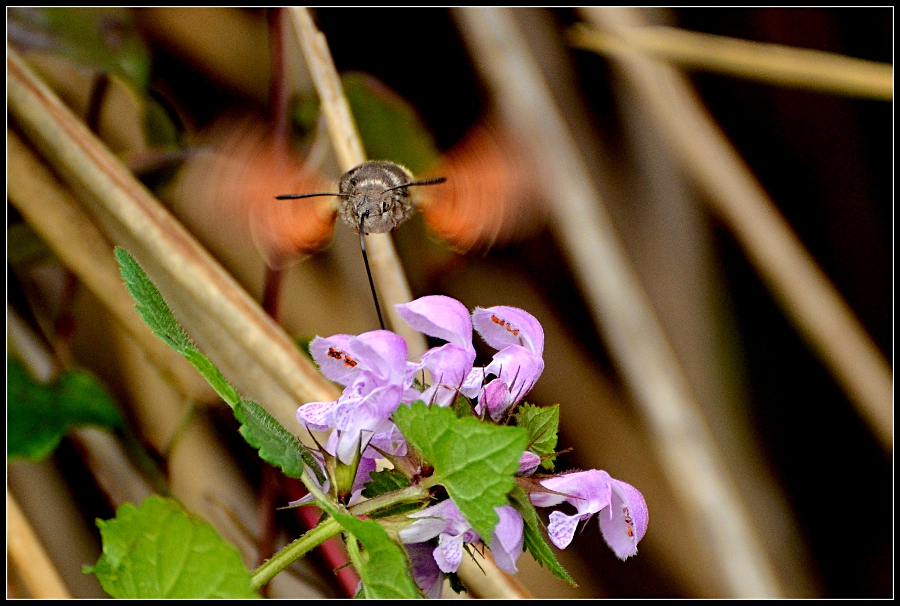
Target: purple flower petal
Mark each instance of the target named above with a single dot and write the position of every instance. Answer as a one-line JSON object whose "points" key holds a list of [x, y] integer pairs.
{"points": [[495, 396], [411, 394], [501, 326], [623, 514], [626, 522], [359, 420], [331, 356], [431, 521], [518, 368], [349, 443], [561, 528], [307, 498], [441, 317], [528, 463], [382, 351], [588, 491], [388, 439], [316, 415], [425, 570], [444, 521], [448, 553], [449, 365], [472, 385], [363, 472], [507, 539]]}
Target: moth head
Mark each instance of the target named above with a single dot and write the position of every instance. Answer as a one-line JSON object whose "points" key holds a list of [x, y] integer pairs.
{"points": [[374, 196]]}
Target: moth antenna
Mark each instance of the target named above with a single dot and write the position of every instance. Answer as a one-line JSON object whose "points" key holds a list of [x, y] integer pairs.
{"points": [[362, 246], [432, 181], [295, 196]]}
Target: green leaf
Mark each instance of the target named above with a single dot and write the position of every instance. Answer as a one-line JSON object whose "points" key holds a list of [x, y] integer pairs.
{"points": [[162, 322], [475, 461], [384, 481], [388, 125], [305, 115], [534, 538], [213, 376], [158, 550], [383, 566], [463, 406], [542, 425], [276, 444], [159, 128], [151, 305], [101, 38], [39, 415]]}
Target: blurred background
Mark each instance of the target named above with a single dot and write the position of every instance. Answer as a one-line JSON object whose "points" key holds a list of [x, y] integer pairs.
{"points": [[810, 470]]}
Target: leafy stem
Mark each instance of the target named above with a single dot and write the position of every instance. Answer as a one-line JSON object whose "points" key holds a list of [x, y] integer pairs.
{"points": [[410, 494], [297, 549], [329, 528]]}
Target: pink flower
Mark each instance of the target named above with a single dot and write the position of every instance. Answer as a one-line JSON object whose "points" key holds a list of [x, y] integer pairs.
{"points": [[425, 570], [377, 376], [445, 522], [623, 514], [517, 365], [443, 318], [528, 463]]}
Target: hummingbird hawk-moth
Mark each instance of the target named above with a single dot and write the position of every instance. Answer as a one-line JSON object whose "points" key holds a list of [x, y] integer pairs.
{"points": [[375, 199], [375, 196], [234, 186]]}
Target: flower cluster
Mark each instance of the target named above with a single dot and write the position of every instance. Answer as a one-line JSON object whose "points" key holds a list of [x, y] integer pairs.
{"points": [[378, 377]]}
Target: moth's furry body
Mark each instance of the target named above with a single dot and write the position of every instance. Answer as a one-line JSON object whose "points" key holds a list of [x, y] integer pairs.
{"points": [[368, 200], [374, 196], [374, 199]]}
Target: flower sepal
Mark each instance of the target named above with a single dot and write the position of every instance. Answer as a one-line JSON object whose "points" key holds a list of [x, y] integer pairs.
{"points": [[342, 476], [412, 464]]}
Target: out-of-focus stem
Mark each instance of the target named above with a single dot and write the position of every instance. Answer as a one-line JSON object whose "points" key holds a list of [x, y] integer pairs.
{"points": [[28, 555], [619, 305], [248, 346], [53, 213], [803, 290], [763, 61], [388, 274]]}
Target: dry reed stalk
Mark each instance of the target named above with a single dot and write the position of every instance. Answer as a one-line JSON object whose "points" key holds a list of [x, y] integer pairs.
{"points": [[762, 61], [55, 215], [798, 284], [29, 557], [253, 351], [387, 272], [620, 308]]}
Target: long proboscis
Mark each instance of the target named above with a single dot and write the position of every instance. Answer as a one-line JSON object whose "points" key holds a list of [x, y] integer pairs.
{"points": [[362, 220], [362, 247]]}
